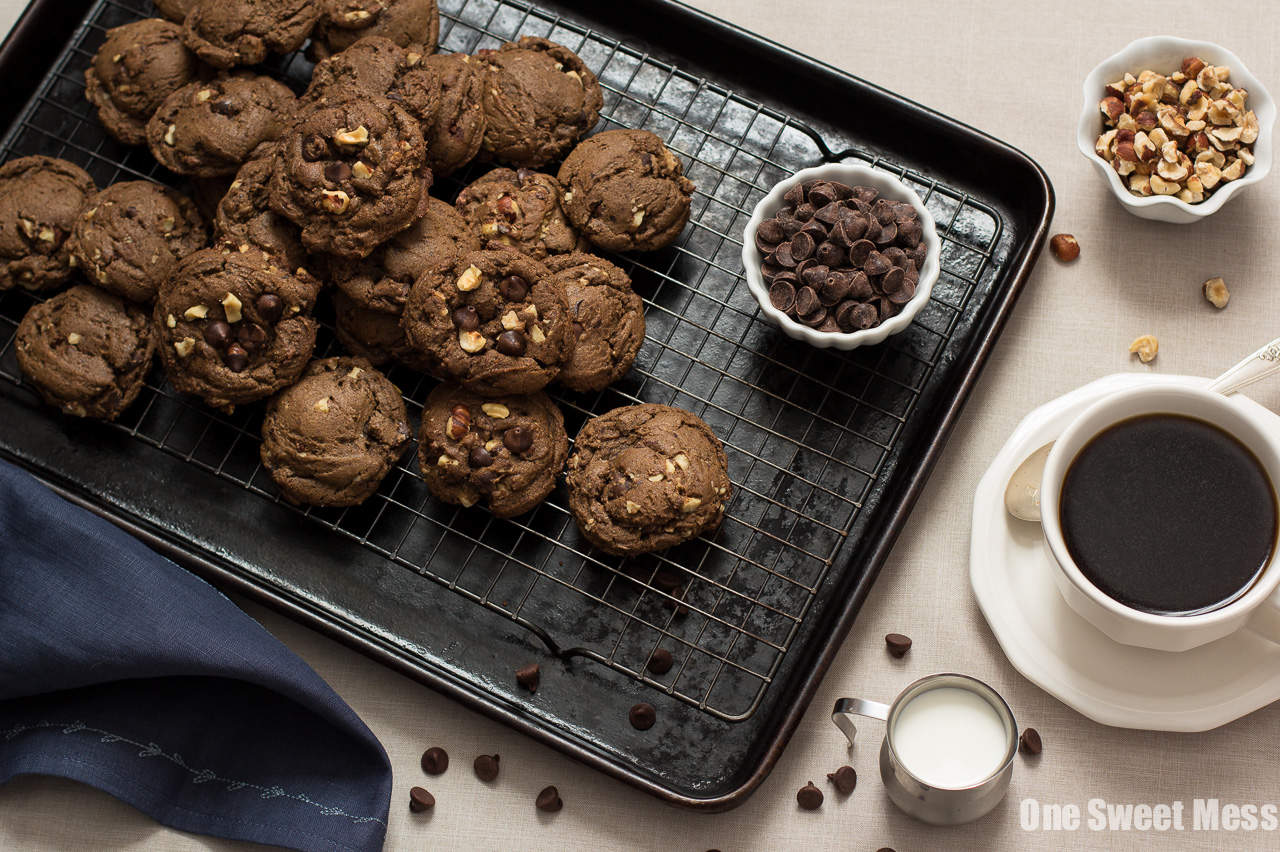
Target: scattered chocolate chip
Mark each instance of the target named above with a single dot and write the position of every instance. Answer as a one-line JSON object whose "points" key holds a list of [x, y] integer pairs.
{"points": [[844, 779], [1029, 742], [466, 318], [420, 800], [897, 644], [643, 716], [517, 439], [480, 457], [236, 358], [510, 343], [270, 307], [435, 761], [661, 662], [885, 849], [486, 766], [529, 676], [251, 336], [809, 797], [513, 288], [548, 800], [337, 171], [217, 333]]}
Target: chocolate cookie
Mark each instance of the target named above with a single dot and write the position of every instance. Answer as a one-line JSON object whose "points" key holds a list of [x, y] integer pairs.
{"points": [[207, 193], [244, 218], [409, 23], [375, 335], [376, 66], [506, 451], [174, 10], [86, 351], [454, 137], [539, 99], [625, 191], [40, 199], [138, 66], [212, 127], [519, 210], [382, 281], [131, 236], [607, 316], [496, 322], [226, 33], [331, 438], [351, 175], [646, 477], [232, 327]]}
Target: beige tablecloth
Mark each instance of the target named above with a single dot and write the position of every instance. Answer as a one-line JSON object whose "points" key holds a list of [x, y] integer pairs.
{"points": [[1013, 68]]}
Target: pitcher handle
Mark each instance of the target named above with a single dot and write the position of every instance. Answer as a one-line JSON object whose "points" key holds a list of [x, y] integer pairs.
{"points": [[847, 708]]}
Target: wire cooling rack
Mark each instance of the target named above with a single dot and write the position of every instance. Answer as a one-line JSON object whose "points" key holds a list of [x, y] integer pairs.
{"points": [[807, 432]]}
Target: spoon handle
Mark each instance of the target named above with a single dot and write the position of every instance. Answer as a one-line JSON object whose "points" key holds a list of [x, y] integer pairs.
{"points": [[1257, 366]]}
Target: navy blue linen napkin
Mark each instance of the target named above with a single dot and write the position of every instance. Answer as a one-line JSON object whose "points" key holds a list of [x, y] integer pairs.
{"points": [[123, 671]]}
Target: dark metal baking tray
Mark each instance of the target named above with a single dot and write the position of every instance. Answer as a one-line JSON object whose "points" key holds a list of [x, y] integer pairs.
{"points": [[828, 451]]}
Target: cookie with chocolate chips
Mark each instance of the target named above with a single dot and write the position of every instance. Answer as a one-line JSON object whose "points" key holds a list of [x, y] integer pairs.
{"points": [[382, 281], [408, 23], [138, 66], [495, 322], [131, 236], [233, 327], [174, 10], [540, 98], [646, 477], [86, 351], [212, 127], [626, 191], [377, 67], [40, 200], [330, 439], [226, 33], [519, 209], [375, 336], [244, 218], [607, 320], [454, 137], [351, 175], [505, 451]]}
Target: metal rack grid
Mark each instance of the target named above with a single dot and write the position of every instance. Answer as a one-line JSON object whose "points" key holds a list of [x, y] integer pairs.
{"points": [[806, 432]]}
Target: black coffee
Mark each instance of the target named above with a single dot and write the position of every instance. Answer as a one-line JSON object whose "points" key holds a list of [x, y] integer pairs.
{"points": [[1168, 514]]}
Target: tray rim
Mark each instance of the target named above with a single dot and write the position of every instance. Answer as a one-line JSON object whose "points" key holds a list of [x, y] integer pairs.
{"points": [[218, 571]]}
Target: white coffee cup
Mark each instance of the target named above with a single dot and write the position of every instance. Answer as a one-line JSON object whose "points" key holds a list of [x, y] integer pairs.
{"points": [[1257, 428]]}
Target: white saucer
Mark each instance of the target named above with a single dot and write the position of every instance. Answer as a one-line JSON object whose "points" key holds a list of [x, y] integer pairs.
{"points": [[1128, 687]]}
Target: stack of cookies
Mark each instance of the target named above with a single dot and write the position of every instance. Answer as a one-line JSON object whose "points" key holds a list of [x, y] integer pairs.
{"points": [[326, 194]]}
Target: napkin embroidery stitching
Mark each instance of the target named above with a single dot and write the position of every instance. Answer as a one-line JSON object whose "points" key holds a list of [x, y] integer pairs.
{"points": [[199, 776]]}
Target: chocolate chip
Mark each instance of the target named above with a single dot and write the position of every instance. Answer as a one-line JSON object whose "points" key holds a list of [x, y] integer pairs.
{"points": [[883, 210], [548, 800], [270, 307], [897, 644], [802, 245], [1029, 742], [236, 358], [466, 318], [815, 276], [910, 233], [251, 336], [807, 301], [804, 212], [917, 255], [510, 343], [642, 716], [217, 333], [885, 849], [529, 676], [809, 797], [897, 257], [856, 316], [888, 233], [828, 214], [836, 287], [767, 246], [903, 294], [816, 319], [486, 767], [844, 779], [860, 285], [794, 196], [873, 229], [225, 106], [876, 264], [783, 255], [337, 171], [513, 288], [315, 147], [821, 194], [517, 439], [830, 254], [865, 194], [435, 761], [817, 230], [661, 662], [782, 295], [479, 457], [770, 271], [420, 800], [892, 281], [860, 251], [771, 231]]}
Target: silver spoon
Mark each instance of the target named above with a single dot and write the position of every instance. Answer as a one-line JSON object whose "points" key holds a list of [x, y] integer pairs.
{"points": [[1022, 494]]}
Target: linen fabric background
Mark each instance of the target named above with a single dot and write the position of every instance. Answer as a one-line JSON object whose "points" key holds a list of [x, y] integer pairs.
{"points": [[1012, 68]]}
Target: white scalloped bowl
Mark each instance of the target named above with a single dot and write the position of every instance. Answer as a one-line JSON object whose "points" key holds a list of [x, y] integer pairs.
{"points": [[852, 175], [1160, 53]]}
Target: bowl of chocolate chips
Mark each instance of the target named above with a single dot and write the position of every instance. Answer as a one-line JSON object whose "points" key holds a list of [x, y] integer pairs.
{"points": [[841, 255]]}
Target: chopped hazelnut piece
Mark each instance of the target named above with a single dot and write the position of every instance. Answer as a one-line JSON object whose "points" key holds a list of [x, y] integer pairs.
{"points": [[196, 312], [335, 200], [496, 410], [184, 346], [1064, 247], [1145, 347], [74, 338], [471, 341], [469, 279], [322, 404], [231, 306], [358, 136], [1215, 290]]}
